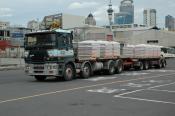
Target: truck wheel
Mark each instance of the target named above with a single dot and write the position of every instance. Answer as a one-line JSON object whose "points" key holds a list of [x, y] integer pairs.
{"points": [[119, 67], [145, 65], [40, 78], [139, 67], [111, 69], [86, 71], [159, 65], [163, 63], [69, 72]]}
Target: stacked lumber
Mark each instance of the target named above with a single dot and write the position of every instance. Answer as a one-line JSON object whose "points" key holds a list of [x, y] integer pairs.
{"points": [[128, 51], [89, 50]]}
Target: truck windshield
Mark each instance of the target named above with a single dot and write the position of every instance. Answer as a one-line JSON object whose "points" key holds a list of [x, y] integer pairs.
{"points": [[43, 40]]}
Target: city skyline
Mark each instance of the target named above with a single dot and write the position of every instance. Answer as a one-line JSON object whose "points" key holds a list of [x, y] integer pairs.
{"points": [[18, 13]]}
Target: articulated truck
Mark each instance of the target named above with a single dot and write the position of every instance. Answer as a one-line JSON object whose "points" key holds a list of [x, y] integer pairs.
{"points": [[53, 53]]}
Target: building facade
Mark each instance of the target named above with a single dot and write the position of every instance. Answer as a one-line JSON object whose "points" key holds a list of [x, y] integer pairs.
{"points": [[61, 20], [145, 35], [122, 18], [34, 25], [149, 17], [4, 25], [17, 35], [170, 23], [4, 39], [126, 14], [90, 20]]}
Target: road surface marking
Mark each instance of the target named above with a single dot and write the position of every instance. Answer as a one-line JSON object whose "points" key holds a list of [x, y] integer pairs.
{"points": [[106, 90], [130, 92], [101, 78], [160, 71], [161, 90], [78, 88], [147, 100], [144, 89], [135, 85], [133, 74], [161, 85], [156, 81]]}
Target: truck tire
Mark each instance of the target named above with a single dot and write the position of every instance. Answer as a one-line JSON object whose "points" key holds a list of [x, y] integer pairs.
{"points": [[146, 65], [119, 67], [111, 69], [159, 65], [163, 63], [69, 73], [40, 77], [86, 71], [139, 67]]}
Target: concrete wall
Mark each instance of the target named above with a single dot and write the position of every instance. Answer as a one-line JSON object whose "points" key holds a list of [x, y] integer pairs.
{"points": [[164, 38], [11, 61]]}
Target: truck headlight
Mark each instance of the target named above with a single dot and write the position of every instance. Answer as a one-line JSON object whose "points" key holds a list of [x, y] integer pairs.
{"points": [[49, 67], [28, 67], [26, 53]]}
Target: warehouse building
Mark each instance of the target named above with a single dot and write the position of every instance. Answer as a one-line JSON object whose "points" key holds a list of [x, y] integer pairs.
{"points": [[145, 35]]}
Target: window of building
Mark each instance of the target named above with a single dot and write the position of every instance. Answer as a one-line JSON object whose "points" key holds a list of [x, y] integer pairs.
{"points": [[152, 41]]}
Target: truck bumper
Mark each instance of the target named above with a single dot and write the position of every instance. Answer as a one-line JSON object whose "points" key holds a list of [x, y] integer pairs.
{"points": [[43, 69]]}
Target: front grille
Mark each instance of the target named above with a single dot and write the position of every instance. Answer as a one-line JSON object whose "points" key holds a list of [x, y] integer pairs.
{"points": [[37, 59], [38, 56], [38, 71], [38, 67]]}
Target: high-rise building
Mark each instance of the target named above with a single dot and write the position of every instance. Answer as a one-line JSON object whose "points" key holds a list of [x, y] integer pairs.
{"points": [[170, 22], [90, 20], [149, 17], [126, 14]]}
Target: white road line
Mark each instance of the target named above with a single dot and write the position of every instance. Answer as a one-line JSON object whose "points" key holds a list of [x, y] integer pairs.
{"points": [[161, 85], [78, 88], [101, 78], [144, 89], [162, 90], [130, 92], [147, 100]]}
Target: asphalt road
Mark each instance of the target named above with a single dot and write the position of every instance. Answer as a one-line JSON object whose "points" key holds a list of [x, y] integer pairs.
{"points": [[132, 93]]}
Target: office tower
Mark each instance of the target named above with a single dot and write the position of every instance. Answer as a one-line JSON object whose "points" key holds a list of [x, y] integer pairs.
{"points": [[126, 14], [149, 17]]}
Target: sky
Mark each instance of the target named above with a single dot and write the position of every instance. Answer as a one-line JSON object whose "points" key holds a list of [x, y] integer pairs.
{"points": [[19, 12]]}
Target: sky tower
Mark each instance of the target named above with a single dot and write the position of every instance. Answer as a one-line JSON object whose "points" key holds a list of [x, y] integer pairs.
{"points": [[110, 12]]}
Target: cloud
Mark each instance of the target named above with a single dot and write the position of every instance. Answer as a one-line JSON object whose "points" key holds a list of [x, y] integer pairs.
{"points": [[171, 4], [79, 5], [6, 12]]}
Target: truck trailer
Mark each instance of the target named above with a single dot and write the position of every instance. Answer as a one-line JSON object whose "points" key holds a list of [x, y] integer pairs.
{"points": [[53, 53]]}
